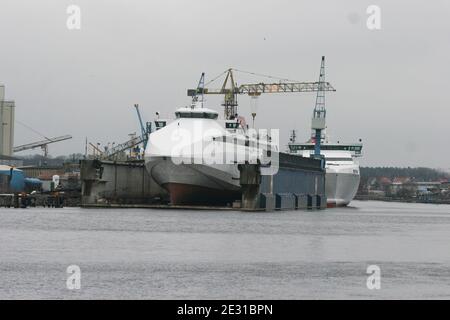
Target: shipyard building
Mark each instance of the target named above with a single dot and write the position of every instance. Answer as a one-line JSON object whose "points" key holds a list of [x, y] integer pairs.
{"points": [[7, 109]]}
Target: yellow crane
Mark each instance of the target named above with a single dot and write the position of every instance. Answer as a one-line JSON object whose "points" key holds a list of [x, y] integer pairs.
{"points": [[230, 89]]}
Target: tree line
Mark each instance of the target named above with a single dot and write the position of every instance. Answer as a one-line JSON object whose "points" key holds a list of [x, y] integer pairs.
{"points": [[39, 160], [417, 174]]}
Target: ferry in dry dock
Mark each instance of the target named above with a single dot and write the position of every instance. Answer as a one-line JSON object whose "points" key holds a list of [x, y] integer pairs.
{"points": [[342, 168]]}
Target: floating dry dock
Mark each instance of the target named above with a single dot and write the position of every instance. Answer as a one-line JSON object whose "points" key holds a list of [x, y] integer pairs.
{"points": [[298, 184]]}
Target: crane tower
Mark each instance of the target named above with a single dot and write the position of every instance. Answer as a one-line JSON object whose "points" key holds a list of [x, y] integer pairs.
{"points": [[318, 119]]}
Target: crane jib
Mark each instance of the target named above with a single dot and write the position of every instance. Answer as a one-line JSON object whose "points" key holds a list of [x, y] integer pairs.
{"points": [[259, 88]]}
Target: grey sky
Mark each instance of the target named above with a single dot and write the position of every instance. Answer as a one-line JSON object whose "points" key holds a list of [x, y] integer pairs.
{"points": [[392, 84]]}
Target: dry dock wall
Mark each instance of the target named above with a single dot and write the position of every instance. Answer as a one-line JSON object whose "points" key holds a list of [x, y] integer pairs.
{"points": [[296, 175], [298, 184], [109, 182]]}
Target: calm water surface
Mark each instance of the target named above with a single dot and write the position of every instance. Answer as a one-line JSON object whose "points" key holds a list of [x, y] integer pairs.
{"points": [[177, 254]]}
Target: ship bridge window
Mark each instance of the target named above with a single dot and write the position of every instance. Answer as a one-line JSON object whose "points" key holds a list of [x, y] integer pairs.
{"points": [[296, 147], [356, 149], [338, 159], [160, 124], [231, 125], [198, 115]]}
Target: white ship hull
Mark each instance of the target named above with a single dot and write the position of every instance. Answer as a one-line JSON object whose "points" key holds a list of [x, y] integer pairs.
{"points": [[341, 172], [341, 184], [196, 183], [196, 159]]}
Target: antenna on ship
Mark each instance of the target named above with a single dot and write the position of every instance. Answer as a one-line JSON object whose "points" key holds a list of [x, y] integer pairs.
{"points": [[293, 136]]}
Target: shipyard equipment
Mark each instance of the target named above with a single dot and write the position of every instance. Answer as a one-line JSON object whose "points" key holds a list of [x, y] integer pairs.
{"points": [[43, 144], [13, 180], [145, 130], [200, 89], [133, 142], [111, 152], [318, 119], [230, 89]]}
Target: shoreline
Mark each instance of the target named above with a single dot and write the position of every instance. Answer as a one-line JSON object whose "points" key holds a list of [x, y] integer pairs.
{"points": [[401, 200]]}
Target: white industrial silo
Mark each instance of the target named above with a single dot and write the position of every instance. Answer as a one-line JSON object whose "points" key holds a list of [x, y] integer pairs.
{"points": [[6, 124]]}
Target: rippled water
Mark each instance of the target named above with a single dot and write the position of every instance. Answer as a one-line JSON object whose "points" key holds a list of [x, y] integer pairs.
{"points": [[181, 254]]}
